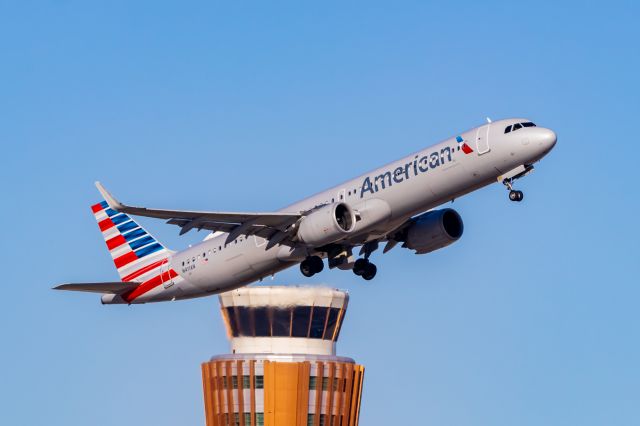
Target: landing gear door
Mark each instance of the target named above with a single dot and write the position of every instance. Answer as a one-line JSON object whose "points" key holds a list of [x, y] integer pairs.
{"points": [[482, 140]]}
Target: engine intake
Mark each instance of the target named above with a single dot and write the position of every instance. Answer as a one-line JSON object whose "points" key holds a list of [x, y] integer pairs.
{"points": [[327, 225], [434, 230]]}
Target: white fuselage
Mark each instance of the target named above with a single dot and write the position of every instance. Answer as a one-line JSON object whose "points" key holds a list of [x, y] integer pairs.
{"points": [[385, 198]]}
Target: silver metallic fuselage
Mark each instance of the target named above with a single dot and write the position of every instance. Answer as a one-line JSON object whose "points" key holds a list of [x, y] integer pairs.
{"points": [[412, 188]]}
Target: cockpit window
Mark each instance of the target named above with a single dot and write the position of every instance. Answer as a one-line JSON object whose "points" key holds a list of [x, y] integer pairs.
{"points": [[519, 126]]}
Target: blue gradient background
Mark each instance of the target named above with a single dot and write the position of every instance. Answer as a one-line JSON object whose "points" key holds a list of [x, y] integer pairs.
{"points": [[530, 319]]}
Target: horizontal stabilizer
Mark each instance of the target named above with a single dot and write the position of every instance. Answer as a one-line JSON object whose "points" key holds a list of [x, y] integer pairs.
{"points": [[109, 288]]}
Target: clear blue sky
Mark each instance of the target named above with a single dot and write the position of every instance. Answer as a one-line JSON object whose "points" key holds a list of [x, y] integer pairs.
{"points": [[532, 318]]}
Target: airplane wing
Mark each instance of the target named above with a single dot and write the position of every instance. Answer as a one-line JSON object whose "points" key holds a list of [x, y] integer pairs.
{"points": [[267, 225], [109, 287]]}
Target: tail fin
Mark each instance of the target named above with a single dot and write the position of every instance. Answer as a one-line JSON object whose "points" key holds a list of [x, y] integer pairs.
{"points": [[136, 254]]}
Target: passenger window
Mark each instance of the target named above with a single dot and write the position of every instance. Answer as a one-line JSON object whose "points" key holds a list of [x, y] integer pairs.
{"points": [[508, 129], [517, 126]]}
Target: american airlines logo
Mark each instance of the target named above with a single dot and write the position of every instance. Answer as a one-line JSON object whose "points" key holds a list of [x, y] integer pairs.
{"points": [[414, 168]]}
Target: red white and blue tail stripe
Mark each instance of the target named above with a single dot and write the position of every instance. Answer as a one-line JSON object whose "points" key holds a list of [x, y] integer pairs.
{"points": [[137, 256]]}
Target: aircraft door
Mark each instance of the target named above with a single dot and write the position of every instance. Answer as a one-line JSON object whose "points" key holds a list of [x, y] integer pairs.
{"points": [[482, 140], [165, 277]]}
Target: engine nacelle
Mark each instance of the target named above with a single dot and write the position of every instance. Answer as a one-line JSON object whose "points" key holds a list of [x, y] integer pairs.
{"points": [[327, 225], [434, 230]]}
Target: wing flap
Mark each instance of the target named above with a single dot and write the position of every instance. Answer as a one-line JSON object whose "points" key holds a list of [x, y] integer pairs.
{"points": [[104, 288]]}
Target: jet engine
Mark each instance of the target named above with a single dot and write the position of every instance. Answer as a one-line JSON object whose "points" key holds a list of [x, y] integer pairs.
{"points": [[433, 230], [327, 225]]}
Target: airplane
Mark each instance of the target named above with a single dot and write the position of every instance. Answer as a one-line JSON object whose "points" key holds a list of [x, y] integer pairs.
{"points": [[394, 204]]}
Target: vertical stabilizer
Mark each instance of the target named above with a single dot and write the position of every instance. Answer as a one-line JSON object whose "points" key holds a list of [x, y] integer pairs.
{"points": [[136, 254]]}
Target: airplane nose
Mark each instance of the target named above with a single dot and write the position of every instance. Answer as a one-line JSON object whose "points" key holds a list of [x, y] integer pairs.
{"points": [[547, 138]]}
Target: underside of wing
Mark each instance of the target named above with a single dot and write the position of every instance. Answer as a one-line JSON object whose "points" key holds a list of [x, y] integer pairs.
{"points": [[104, 288], [267, 225]]}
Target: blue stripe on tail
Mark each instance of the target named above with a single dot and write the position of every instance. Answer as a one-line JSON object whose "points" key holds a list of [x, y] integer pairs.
{"points": [[141, 242], [134, 234], [148, 250], [127, 226], [117, 220]]}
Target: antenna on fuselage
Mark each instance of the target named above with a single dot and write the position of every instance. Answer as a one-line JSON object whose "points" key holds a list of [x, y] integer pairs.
{"points": [[488, 120]]}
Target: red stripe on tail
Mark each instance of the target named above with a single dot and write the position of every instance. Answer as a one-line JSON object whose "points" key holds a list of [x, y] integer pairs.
{"points": [[125, 259], [116, 241], [143, 270], [149, 285], [97, 207], [105, 224]]}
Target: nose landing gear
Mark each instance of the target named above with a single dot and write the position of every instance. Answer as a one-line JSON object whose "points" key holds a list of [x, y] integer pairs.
{"points": [[516, 195], [508, 178], [513, 194]]}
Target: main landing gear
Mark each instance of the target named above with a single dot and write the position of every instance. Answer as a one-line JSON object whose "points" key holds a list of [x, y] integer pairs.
{"points": [[361, 267], [365, 269], [513, 194], [311, 266]]}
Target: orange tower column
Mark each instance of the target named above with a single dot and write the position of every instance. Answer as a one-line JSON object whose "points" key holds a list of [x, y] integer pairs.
{"points": [[282, 369]]}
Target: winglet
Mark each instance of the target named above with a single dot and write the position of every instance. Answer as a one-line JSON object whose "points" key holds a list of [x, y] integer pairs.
{"points": [[113, 203]]}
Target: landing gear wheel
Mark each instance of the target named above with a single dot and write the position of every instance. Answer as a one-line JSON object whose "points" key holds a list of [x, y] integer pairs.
{"points": [[513, 194], [360, 266], [365, 269], [317, 265], [311, 266], [369, 272], [516, 195], [306, 268]]}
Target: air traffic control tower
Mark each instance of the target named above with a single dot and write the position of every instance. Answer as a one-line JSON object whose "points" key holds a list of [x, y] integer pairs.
{"points": [[283, 369]]}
